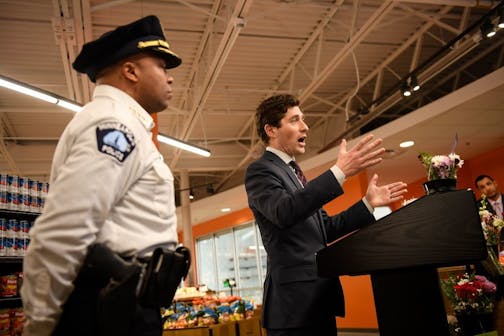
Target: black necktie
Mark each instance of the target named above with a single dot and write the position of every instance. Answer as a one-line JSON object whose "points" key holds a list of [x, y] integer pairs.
{"points": [[299, 173]]}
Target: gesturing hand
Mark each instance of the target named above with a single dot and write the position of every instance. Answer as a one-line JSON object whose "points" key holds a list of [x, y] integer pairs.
{"points": [[378, 196], [361, 156]]}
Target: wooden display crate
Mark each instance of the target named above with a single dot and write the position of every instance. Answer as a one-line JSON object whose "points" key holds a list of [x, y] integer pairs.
{"points": [[200, 331], [249, 327], [223, 329]]}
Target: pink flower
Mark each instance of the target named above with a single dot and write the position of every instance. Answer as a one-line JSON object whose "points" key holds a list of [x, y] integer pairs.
{"points": [[485, 284]]}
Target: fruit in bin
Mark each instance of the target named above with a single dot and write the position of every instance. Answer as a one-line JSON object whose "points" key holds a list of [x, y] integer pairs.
{"points": [[171, 321], [224, 312], [181, 322], [209, 317]]}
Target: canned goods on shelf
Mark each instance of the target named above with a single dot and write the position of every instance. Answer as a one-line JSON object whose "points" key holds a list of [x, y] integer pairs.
{"points": [[13, 183]]}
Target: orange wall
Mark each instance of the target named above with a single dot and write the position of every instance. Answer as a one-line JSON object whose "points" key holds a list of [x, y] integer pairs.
{"points": [[223, 222], [359, 302]]}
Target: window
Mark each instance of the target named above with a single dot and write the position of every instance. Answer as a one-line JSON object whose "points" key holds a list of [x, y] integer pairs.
{"points": [[224, 248], [233, 254], [206, 263]]}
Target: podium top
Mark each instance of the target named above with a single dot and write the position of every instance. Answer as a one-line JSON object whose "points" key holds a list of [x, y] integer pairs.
{"points": [[436, 230]]}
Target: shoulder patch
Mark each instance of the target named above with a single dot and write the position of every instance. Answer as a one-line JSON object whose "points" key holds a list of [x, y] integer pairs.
{"points": [[115, 139]]}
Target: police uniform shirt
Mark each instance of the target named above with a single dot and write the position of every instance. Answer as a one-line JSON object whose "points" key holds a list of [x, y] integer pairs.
{"points": [[108, 184]]}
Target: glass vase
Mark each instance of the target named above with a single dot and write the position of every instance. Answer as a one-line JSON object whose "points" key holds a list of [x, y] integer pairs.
{"points": [[474, 324], [440, 185]]}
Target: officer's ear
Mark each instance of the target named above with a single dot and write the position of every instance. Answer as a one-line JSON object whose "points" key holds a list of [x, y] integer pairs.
{"points": [[129, 70]]}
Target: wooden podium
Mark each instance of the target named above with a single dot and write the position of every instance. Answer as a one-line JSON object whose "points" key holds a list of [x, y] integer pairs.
{"points": [[402, 252]]}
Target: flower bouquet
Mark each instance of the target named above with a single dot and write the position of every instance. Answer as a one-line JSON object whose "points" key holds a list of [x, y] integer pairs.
{"points": [[469, 293], [492, 225], [472, 298], [441, 166], [441, 171]]}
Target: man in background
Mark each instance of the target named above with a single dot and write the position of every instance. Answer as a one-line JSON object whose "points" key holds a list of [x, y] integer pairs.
{"points": [[109, 185], [293, 226], [493, 198]]}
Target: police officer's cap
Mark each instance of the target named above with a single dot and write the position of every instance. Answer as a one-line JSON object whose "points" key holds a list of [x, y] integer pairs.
{"points": [[142, 35]]}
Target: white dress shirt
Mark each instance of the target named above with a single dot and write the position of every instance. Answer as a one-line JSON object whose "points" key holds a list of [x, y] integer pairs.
{"points": [[108, 184], [497, 206]]}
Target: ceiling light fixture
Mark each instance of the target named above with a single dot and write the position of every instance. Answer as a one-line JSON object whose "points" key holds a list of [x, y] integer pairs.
{"points": [[501, 18], [35, 92], [183, 145], [405, 89], [487, 29], [68, 104], [406, 144], [414, 83]]}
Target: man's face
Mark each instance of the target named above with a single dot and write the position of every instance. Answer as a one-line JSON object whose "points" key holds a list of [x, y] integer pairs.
{"points": [[291, 135], [488, 188], [154, 87]]}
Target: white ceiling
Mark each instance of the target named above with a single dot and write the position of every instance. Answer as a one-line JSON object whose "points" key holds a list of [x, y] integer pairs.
{"points": [[237, 52]]}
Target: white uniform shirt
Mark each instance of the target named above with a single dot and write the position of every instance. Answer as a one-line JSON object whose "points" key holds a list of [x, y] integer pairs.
{"points": [[108, 184]]}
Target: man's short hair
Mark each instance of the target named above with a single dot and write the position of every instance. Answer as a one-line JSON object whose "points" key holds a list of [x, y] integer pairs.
{"points": [[481, 177], [271, 111]]}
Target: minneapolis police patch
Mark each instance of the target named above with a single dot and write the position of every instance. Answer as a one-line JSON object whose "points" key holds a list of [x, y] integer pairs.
{"points": [[115, 139]]}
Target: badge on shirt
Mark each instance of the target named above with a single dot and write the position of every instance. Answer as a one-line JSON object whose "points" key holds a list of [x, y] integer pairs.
{"points": [[115, 139]]}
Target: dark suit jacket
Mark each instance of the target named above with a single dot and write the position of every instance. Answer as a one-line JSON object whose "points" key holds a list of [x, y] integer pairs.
{"points": [[293, 228]]}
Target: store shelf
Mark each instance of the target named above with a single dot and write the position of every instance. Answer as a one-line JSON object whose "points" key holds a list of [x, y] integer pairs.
{"points": [[11, 260], [12, 265], [15, 299], [10, 302], [17, 213]]}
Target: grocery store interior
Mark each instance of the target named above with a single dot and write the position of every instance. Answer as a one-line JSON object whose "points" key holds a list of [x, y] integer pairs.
{"points": [[349, 62]]}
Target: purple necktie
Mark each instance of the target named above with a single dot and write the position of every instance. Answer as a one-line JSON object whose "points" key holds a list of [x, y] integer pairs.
{"points": [[299, 173]]}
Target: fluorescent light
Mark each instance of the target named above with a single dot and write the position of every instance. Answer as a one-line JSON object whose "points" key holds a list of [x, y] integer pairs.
{"points": [[76, 107], [183, 145], [406, 144], [35, 92], [6, 83], [69, 105], [225, 209]]}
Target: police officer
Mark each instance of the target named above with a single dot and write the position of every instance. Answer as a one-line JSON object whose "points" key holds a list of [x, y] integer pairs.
{"points": [[108, 181]]}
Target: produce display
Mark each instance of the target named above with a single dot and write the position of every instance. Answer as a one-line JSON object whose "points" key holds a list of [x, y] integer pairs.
{"points": [[192, 308]]}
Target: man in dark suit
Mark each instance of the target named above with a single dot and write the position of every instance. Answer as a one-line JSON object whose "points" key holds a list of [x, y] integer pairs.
{"points": [[493, 198], [296, 301]]}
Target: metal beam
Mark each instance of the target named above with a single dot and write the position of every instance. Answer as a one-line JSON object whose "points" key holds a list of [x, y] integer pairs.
{"points": [[389, 60], [367, 28], [430, 18], [5, 126], [458, 3], [233, 29], [204, 41]]}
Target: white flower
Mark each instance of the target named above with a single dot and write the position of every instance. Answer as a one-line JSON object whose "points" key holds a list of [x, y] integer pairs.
{"points": [[456, 159]]}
